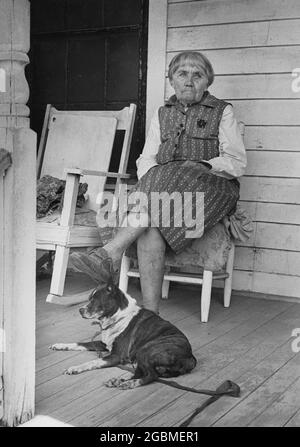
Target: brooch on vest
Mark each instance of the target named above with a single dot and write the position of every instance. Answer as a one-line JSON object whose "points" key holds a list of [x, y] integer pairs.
{"points": [[201, 123]]}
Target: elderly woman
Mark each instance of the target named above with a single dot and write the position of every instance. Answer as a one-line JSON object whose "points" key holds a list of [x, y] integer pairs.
{"points": [[193, 145]]}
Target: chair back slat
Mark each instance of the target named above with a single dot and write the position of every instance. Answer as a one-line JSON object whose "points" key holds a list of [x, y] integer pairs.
{"points": [[125, 122], [84, 141], [122, 116], [76, 141]]}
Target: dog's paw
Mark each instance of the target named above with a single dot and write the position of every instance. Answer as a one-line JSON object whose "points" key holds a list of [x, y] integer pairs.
{"points": [[129, 384], [114, 383], [59, 347], [122, 384], [73, 370]]}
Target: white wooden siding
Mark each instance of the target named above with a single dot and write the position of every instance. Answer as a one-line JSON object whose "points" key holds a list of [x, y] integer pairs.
{"points": [[263, 86], [230, 11], [254, 46]]}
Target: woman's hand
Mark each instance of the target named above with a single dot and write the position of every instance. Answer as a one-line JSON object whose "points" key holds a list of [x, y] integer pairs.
{"points": [[201, 166]]}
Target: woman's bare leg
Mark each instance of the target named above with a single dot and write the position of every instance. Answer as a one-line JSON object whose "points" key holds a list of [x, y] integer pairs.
{"points": [[151, 256]]}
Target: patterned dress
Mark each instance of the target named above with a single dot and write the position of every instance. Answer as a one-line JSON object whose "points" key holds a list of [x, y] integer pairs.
{"points": [[188, 137]]}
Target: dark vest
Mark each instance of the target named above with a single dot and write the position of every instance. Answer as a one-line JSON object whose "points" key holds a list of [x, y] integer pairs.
{"points": [[190, 134]]}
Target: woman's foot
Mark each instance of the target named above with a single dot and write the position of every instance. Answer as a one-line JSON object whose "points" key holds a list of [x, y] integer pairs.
{"points": [[92, 263]]}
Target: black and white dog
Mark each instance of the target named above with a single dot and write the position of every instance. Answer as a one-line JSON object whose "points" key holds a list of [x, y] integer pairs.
{"points": [[131, 334]]}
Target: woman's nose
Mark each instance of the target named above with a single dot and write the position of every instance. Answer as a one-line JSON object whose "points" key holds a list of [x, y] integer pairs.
{"points": [[189, 80]]}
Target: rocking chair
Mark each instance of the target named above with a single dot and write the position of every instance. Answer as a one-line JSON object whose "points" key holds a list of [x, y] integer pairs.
{"points": [[75, 145]]}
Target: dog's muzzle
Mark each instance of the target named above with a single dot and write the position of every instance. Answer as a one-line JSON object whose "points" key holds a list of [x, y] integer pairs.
{"points": [[86, 314]]}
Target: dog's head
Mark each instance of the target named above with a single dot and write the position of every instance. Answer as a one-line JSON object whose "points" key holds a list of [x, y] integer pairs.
{"points": [[107, 298]]}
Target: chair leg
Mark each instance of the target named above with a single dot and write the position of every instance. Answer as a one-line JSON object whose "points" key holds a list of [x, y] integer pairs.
{"points": [[165, 289], [123, 280], [206, 295], [228, 281], [62, 253], [59, 270]]}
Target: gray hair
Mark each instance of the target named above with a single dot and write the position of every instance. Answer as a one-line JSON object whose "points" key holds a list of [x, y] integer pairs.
{"points": [[195, 58]]}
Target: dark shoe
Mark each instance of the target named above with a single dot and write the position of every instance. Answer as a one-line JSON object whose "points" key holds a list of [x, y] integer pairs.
{"points": [[97, 264]]}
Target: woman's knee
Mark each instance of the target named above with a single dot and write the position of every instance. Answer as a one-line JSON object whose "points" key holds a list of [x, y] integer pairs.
{"points": [[152, 237]]}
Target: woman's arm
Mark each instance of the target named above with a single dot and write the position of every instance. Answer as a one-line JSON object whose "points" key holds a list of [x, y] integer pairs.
{"points": [[147, 159], [232, 160]]}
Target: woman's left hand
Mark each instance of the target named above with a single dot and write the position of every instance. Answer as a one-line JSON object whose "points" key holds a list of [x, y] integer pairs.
{"points": [[200, 167]]}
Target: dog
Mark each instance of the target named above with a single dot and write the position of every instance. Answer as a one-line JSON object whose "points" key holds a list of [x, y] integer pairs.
{"points": [[130, 334]]}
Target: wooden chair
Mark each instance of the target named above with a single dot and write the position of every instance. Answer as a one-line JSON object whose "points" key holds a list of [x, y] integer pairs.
{"points": [[215, 263], [78, 145]]}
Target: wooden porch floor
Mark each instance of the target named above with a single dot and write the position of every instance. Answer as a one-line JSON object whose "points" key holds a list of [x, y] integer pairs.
{"points": [[249, 343]]}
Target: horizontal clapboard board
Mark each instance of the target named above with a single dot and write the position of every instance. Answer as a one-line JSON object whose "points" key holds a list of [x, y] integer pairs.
{"points": [[261, 86], [252, 34], [187, 13], [251, 60]]}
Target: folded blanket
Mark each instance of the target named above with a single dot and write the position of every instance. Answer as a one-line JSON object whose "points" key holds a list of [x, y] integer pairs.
{"points": [[50, 194], [239, 225]]}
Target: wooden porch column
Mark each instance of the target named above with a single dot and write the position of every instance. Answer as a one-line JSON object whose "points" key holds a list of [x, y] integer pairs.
{"points": [[17, 219]]}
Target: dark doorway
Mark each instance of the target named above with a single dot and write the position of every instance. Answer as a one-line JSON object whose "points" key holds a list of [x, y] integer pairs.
{"points": [[89, 55]]}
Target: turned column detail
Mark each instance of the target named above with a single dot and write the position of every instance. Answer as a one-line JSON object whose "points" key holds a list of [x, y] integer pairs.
{"points": [[17, 219]]}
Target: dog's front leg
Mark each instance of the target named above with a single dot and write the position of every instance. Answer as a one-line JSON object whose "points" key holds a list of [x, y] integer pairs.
{"points": [[67, 347], [110, 360], [80, 346]]}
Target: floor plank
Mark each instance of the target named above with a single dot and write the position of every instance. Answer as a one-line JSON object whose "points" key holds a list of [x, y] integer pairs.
{"points": [[280, 411], [294, 421], [269, 390]]}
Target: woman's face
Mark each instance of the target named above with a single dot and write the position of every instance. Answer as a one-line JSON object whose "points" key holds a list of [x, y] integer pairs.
{"points": [[189, 83]]}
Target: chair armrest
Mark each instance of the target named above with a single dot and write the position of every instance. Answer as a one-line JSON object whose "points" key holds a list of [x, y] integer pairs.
{"points": [[78, 171]]}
